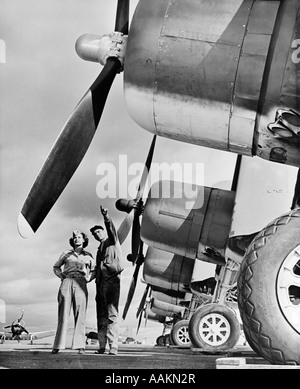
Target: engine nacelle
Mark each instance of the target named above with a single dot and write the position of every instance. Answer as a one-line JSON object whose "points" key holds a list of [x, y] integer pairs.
{"points": [[200, 231], [220, 74], [170, 298], [162, 308], [154, 317], [167, 270]]}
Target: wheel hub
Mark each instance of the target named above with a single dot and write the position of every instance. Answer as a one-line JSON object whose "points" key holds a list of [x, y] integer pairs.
{"points": [[183, 335], [288, 288], [214, 329]]}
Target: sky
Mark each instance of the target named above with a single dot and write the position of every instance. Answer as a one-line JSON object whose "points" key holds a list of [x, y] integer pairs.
{"points": [[41, 82]]}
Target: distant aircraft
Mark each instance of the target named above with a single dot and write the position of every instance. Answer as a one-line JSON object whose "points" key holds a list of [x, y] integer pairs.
{"points": [[92, 334], [222, 75], [18, 332], [168, 314]]}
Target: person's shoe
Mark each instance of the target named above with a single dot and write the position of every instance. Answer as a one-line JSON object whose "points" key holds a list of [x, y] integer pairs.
{"points": [[81, 351], [113, 351], [100, 351], [55, 351]]}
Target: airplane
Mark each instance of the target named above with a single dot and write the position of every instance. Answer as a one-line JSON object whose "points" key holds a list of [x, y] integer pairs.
{"points": [[164, 307], [221, 75], [92, 335], [19, 332], [177, 289]]}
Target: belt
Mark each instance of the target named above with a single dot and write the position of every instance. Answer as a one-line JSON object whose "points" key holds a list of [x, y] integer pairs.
{"points": [[75, 275], [113, 275]]}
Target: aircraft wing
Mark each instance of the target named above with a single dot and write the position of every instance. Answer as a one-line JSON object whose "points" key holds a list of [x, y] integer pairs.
{"points": [[38, 335], [8, 335]]}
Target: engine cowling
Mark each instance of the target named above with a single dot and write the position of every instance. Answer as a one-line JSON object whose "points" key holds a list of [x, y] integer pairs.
{"points": [[170, 298], [162, 308], [149, 315], [167, 270], [220, 74], [199, 231]]}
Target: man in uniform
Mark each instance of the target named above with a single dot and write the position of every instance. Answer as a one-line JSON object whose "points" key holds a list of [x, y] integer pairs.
{"points": [[108, 270]]}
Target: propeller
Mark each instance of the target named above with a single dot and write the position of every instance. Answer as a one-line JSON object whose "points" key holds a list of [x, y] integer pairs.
{"points": [[125, 227], [134, 208], [73, 141], [143, 300], [146, 314], [139, 323], [143, 306], [139, 262], [147, 309], [137, 210]]}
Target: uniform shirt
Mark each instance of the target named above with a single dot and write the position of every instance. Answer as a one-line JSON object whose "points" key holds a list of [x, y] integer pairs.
{"points": [[74, 264], [109, 254]]}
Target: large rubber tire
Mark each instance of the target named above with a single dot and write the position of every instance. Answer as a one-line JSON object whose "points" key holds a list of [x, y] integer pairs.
{"points": [[214, 327], [168, 340], [269, 291], [180, 333], [160, 341]]}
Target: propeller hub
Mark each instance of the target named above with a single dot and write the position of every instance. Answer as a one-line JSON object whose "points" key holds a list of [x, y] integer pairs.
{"points": [[129, 258], [125, 205], [97, 48], [139, 204]]}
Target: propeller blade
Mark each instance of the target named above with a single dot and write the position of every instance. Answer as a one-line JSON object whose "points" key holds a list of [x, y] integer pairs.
{"points": [[67, 152], [125, 227], [136, 227], [138, 264], [72, 143], [131, 289], [143, 300], [135, 235], [148, 306], [236, 174], [132, 219], [147, 313], [146, 170], [139, 322], [122, 17]]}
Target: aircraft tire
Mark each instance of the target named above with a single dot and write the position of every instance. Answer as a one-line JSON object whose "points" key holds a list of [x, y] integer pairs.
{"points": [[168, 340], [180, 333], [214, 327], [160, 341], [269, 291]]}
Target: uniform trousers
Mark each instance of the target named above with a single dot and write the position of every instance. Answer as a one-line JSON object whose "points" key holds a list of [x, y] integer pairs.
{"points": [[72, 294], [107, 303]]}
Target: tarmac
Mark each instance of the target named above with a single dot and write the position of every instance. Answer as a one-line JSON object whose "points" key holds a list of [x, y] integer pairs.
{"points": [[135, 363], [130, 356]]}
